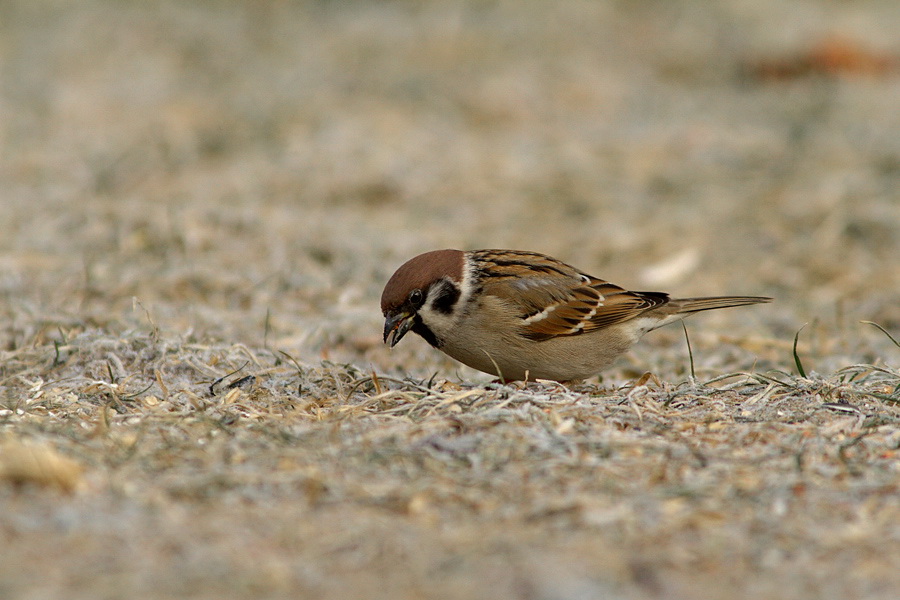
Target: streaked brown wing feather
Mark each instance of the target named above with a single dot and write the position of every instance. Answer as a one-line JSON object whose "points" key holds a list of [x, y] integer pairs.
{"points": [[555, 298], [575, 316], [622, 305], [569, 315]]}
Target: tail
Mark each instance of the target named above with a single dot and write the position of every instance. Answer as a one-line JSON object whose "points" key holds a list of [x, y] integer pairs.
{"points": [[692, 305], [679, 308]]}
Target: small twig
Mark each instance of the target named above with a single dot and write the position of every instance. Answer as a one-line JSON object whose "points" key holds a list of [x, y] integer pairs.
{"points": [[240, 382], [136, 394], [719, 378], [885, 397], [212, 386], [376, 383], [299, 370], [112, 378], [162, 386], [766, 379], [376, 379], [154, 334]]}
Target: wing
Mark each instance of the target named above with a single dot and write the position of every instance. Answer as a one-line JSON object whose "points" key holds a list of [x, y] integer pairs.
{"points": [[556, 299]]}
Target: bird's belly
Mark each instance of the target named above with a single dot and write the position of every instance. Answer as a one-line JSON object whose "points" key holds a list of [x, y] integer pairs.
{"points": [[560, 359]]}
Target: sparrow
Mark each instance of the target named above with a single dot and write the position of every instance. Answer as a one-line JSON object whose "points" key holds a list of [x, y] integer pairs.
{"points": [[523, 315]]}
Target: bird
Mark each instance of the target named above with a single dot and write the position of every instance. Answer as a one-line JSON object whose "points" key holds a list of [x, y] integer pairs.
{"points": [[521, 315]]}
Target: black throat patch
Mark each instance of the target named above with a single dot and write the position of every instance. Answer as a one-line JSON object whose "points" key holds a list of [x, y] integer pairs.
{"points": [[427, 335]]}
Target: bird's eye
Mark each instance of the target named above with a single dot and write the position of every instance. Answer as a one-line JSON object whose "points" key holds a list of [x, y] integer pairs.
{"points": [[415, 297]]}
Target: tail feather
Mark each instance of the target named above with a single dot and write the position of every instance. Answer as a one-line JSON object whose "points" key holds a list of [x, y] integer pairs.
{"points": [[679, 308], [692, 305]]}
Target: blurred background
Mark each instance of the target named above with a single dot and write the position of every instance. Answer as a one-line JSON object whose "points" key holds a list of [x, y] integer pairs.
{"points": [[187, 188], [254, 171]]}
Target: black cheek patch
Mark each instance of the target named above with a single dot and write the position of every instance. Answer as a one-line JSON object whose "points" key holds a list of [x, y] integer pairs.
{"points": [[446, 298]]}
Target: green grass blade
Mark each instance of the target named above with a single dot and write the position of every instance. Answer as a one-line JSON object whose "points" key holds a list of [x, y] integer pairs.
{"points": [[799, 364], [690, 352], [883, 330]]}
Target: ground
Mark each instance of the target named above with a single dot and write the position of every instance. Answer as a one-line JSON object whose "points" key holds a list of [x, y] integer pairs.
{"points": [[201, 202]]}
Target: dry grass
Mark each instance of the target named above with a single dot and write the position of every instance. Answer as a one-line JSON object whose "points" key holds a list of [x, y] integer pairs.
{"points": [[201, 202]]}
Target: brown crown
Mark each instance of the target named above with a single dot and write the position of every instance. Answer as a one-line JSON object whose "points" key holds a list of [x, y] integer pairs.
{"points": [[420, 272]]}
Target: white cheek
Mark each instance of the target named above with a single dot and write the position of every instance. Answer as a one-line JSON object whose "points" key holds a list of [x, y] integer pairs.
{"points": [[440, 323]]}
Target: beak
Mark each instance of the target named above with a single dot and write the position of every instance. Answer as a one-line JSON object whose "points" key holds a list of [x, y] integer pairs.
{"points": [[396, 326]]}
